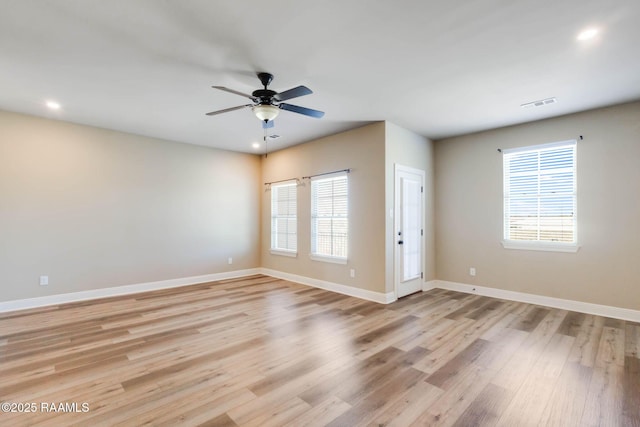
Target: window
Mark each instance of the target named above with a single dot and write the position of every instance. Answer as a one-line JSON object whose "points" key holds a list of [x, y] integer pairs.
{"points": [[540, 197], [330, 218], [284, 222]]}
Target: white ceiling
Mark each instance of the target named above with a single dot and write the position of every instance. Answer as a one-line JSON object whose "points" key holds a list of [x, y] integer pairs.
{"points": [[439, 68]]}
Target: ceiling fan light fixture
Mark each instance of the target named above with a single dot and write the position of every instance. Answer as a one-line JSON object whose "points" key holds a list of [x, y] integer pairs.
{"points": [[266, 112]]}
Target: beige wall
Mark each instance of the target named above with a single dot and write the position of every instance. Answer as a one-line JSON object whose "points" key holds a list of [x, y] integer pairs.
{"points": [[606, 269], [406, 148], [94, 208], [362, 150]]}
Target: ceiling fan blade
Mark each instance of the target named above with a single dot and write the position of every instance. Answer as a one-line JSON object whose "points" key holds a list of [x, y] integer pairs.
{"points": [[226, 110], [292, 93], [302, 110], [226, 89], [267, 125]]}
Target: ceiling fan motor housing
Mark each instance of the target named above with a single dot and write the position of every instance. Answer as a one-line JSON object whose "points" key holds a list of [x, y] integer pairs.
{"points": [[265, 95]]}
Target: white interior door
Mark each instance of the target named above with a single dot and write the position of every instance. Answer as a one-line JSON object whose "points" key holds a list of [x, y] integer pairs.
{"points": [[409, 230]]}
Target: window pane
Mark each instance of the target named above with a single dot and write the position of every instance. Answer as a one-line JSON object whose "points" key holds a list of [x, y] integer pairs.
{"points": [[540, 194], [284, 217], [329, 216]]}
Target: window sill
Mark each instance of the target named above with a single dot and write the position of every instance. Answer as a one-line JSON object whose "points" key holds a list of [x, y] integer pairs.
{"points": [[538, 246], [331, 259], [280, 252]]}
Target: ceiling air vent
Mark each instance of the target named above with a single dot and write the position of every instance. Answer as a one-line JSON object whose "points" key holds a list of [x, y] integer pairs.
{"points": [[540, 103], [274, 136]]}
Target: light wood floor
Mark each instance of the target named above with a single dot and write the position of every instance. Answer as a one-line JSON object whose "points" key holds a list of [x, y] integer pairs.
{"points": [[261, 351]]}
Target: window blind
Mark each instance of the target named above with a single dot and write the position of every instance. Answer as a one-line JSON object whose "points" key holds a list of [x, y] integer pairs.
{"points": [[330, 216], [540, 193], [284, 221]]}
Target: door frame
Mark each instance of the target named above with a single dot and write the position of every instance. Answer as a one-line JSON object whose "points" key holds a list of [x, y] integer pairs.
{"points": [[397, 275]]}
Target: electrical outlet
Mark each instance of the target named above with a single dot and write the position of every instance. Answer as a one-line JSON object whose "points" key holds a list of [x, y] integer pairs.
{"points": [[44, 280], [352, 273], [472, 271], [230, 260]]}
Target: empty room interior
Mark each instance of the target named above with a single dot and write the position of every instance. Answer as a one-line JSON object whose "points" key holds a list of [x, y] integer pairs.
{"points": [[414, 213]]}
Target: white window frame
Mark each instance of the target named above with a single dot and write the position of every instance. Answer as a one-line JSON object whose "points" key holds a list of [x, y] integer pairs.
{"points": [[315, 255], [276, 216], [539, 245]]}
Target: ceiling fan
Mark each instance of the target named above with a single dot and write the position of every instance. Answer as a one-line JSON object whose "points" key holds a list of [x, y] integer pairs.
{"points": [[268, 103]]}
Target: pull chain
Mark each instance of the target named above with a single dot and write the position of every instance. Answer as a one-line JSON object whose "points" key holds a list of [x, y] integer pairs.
{"points": [[266, 152]]}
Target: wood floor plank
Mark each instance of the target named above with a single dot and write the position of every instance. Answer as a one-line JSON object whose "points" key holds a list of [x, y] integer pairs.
{"points": [[501, 325], [258, 350], [358, 371], [471, 302], [568, 398], [486, 408], [280, 414], [380, 399], [513, 373], [376, 340], [632, 340], [533, 396], [605, 398], [504, 346], [197, 409], [587, 341], [220, 421], [444, 350], [486, 309], [424, 330], [285, 375], [530, 319], [321, 414], [353, 391], [410, 405], [454, 401], [450, 370], [251, 410], [572, 324], [631, 389]]}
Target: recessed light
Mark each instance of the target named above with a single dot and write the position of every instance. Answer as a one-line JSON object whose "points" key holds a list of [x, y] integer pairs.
{"points": [[256, 145], [588, 34], [53, 105]]}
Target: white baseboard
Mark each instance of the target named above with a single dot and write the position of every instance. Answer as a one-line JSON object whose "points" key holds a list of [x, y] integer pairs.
{"points": [[431, 284], [378, 297], [23, 304], [564, 304], [28, 303]]}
